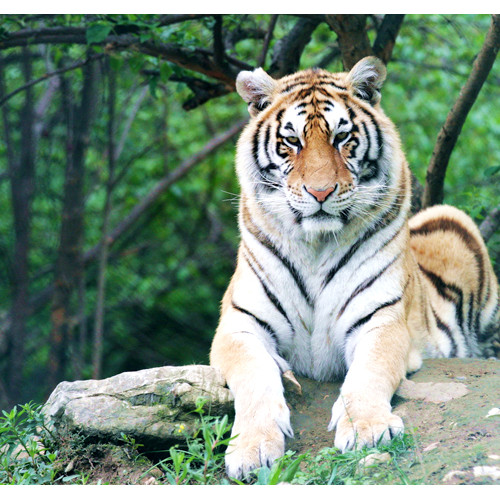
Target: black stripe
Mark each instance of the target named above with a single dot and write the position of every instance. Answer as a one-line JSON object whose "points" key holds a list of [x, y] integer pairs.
{"points": [[369, 171], [255, 144], [446, 329], [368, 317], [444, 290], [384, 221], [470, 314], [377, 130], [363, 286], [448, 224], [267, 137], [266, 242], [272, 298], [260, 322]]}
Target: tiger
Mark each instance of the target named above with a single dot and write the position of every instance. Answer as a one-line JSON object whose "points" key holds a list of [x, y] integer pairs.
{"points": [[334, 279]]}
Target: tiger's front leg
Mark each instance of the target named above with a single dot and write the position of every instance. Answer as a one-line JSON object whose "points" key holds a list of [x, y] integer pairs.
{"points": [[262, 416], [362, 414]]}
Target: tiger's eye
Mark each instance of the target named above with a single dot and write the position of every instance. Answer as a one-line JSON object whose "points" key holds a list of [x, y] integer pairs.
{"points": [[293, 140], [341, 136]]}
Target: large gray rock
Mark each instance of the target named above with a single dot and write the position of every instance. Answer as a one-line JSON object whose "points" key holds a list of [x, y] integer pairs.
{"points": [[153, 406]]}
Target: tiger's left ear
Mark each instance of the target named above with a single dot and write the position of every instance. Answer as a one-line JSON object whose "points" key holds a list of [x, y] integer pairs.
{"points": [[366, 79], [256, 88]]}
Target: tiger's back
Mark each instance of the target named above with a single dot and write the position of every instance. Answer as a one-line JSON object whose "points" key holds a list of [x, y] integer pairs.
{"points": [[459, 285]]}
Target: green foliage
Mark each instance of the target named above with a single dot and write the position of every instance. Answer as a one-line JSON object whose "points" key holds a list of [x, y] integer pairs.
{"points": [[331, 467], [283, 470], [97, 32], [27, 451], [30, 454], [203, 460]]}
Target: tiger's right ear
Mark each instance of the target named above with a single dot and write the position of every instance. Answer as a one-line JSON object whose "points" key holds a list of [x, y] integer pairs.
{"points": [[256, 88]]}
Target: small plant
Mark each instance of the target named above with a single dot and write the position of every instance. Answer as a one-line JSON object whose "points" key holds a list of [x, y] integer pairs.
{"points": [[330, 467], [202, 461], [282, 470], [27, 447]]}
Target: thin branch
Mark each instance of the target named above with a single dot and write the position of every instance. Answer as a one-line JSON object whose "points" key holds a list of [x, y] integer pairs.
{"points": [[97, 352], [448, 135], [238, 33], [27, 85], [203, 90], [267, 40], [490, 224], [169, 19], [329, 57], [219, 53], [129, 121], [194, 60], [6, 123], [163, 185]]}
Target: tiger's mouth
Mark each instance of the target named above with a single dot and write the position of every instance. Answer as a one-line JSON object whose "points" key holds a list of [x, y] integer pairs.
{"points": [[322, 222], [322, 215]]}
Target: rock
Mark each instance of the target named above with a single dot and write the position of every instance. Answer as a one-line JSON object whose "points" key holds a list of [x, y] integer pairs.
{"points": [[152, 406], [431, 392], [487, 471], [375, 459], [494, 412], [454, 475]]}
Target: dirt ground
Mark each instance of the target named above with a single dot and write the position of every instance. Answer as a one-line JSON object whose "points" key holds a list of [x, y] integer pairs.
{"points": [[445, 407]]}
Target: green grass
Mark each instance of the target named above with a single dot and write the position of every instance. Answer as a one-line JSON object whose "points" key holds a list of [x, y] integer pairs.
{"points": [[202, 462], [31, 454], [27, 452]]}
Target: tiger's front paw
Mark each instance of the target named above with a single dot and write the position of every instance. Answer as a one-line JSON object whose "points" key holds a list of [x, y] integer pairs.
{"points": [[256, 442], [361, 425]]}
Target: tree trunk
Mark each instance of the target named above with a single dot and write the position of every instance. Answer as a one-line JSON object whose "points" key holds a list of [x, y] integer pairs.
{"points": [[97, 353], [69, 266], [353, 39], [22, 188]]}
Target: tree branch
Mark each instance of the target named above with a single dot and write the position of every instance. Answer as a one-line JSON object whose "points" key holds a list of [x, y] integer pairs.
{"points": [[288, 50], [169, 19], [448, 135], [219, 53], [164, 184], [265, 47], [353, 39], [27, 85], [195, 60], [386, 36], [490, 224]]}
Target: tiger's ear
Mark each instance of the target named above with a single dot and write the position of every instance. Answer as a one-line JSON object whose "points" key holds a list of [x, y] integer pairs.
{"points": [[366, 79], [256, 88]]}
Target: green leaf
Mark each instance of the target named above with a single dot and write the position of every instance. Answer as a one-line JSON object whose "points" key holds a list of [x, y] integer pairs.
{"points": [[97, 32], [491, 171], [144, 37], [153, 84], [165, 71], [291, 470]]}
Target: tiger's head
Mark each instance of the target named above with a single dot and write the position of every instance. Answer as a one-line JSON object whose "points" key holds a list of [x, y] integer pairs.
{"points": [[318, 153]]}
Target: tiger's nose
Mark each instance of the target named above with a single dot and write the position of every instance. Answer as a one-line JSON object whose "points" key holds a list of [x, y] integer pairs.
{"points": [[321, 195]]}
